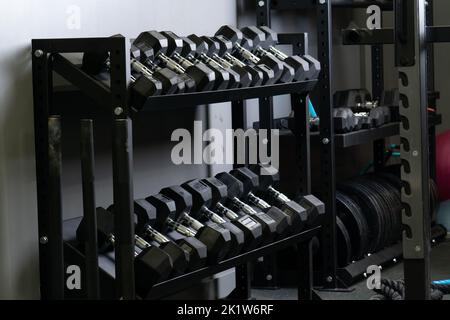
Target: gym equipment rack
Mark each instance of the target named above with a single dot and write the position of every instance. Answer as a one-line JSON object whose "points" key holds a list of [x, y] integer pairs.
{"points": [[414, 52], [47, 59]]}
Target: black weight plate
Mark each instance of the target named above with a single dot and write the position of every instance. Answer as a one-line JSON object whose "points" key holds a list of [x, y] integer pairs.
{"points": [[351, 215], [370, 210], [392, 195], [383, 209], [344, 244], [388, 204]]}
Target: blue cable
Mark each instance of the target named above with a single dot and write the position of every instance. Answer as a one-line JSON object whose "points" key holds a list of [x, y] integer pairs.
{"points": [[312, 111], [444, 282]]}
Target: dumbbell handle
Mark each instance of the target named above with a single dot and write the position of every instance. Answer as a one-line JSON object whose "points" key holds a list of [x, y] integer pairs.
{"points": [[184, 62], [246, 53], [277, 195], [213, 63], [191, 222], [224, 211], [243, 206], [260, 203], [222, 61], [214, 217], [233, 60], [155, 235], [112, 241], [171, 64], [188, 232], [139, 67], [278, 53]]}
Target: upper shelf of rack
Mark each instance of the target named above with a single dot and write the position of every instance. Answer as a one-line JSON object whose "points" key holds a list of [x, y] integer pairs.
{"points": [[303, 4]]}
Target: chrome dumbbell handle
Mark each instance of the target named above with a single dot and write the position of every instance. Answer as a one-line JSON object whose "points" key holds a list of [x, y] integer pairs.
{"points": [[214, 217], [188, 232], [224, 211], [243, 206], [260, 203], [156, 235], [277, 195]]}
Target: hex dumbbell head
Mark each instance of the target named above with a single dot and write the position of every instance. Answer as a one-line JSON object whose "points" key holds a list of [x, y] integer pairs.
{"points": [[216, 238], [174, 42], [202, 47], [201, 194], [255, 35], [314, 67], [151, 44], [314, 207], [300, 66], [271, 36], [231, 33], [234, 185], [219, 190], [151, 266], [182, 198], [165, 208], [196, 250], [105, 228], [135, 52], [267, 176], [170, 81], [142, 89], [248, 178]]}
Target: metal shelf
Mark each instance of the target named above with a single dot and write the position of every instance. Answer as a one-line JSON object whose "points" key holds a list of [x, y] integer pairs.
{"points": [[305, 4], [179, 283]]}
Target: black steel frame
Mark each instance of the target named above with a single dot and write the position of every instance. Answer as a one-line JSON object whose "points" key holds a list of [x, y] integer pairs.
{"points": [[47, 59], [413, 37]]}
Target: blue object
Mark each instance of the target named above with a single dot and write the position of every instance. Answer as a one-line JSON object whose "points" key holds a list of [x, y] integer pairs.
{"points": [[312, 111], [444, 282], [443, 214]]}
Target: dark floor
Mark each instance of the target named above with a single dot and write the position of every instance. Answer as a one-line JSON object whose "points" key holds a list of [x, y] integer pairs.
{"points": [[440, 269]]}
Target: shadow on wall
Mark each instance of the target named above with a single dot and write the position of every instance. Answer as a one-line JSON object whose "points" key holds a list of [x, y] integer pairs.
{"points": [[17, 180]]}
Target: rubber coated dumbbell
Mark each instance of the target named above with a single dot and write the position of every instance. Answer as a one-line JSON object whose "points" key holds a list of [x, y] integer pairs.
{"points": [[241, 48], [201, 201], [268, 224], [161, 208], [251, 184], [144, 211], [220, 194], [151, 264], [216, 238], [154, 45], [196, 54], [313, 206], [306, 67]]}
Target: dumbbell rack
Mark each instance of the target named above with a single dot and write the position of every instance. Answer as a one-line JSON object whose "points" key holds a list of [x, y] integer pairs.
{"points": [[54, 247]]}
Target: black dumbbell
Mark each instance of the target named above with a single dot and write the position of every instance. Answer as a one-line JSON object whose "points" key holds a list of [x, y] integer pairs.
{"points": [[308, 207], [201, 202], [154, 45], [145, 214], [258, 39], [225, 49], [220, 193], [141, 87], [265, 43], [251, 184], [216, 238], [171, 81], [205, 51], [313, 70], [272, 67], [191, 51], [215, 51], [151, 264], [268, 224], [182, 235]]}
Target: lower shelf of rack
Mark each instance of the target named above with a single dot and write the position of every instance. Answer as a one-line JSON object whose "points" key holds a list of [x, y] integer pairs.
{"points": [[163, 289]]}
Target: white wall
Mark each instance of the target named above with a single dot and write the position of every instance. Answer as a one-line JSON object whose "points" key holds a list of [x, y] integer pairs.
{"points": [[22, 20]]}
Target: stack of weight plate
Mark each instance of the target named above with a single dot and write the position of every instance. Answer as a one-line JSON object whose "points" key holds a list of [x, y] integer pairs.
{"points": [[369, 215]]}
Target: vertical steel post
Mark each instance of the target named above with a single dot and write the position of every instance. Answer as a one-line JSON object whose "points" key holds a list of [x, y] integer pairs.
{"points": [[328, 175], [122, 168], [88, 186], [411, 59]]}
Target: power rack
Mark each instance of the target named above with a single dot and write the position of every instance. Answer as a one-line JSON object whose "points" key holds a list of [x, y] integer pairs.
{"points": [[415, 44], [56, 247]]}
